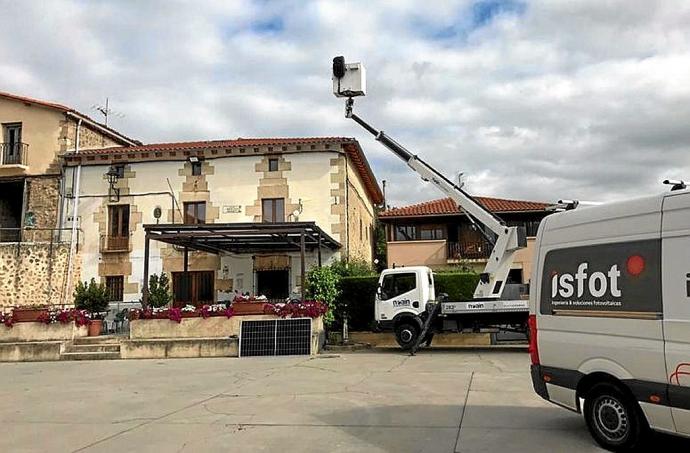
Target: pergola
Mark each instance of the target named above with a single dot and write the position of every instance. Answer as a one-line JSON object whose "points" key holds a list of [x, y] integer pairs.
{"points": [[222, 238]]}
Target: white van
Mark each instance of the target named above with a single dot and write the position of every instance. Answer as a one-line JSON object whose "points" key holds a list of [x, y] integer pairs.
{"points": [[610, 316]]}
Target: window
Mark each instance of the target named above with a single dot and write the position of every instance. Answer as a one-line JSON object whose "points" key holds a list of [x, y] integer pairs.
{"points": [[195, 212], [273, 210], [273, 164], [405, 233], [419, 232], [115, 286], [119, 170], [196, 168], [531, 226], [118, 227], [394, 285], [197, 289], [432, 232], [12, 146]]}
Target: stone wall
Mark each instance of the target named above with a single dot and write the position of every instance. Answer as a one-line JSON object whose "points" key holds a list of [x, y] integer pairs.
{"points": [[42, 202], [35, 274], [360, 217], [88, 137]]}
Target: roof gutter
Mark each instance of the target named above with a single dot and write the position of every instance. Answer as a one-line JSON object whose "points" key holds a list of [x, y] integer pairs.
{"points": [[107, 131]]}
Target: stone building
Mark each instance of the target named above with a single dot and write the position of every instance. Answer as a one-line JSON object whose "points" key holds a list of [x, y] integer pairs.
{"points": [[323, 183], [35, 258]]}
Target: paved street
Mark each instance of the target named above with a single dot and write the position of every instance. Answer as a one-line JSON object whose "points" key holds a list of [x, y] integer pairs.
{"points": [[438, 401]]}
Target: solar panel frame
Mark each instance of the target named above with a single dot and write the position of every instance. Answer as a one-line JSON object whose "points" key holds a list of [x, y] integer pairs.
{"points": [[275, 337]]}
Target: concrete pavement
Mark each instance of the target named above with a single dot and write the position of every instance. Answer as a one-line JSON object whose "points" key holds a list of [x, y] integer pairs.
{"points": [[437, 401]]}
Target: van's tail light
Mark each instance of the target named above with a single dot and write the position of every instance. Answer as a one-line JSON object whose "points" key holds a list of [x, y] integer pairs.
{"points": [[533, 346]]}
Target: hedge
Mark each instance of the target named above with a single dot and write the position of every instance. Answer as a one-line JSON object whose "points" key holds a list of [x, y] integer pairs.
{"points": [[357, 293]]}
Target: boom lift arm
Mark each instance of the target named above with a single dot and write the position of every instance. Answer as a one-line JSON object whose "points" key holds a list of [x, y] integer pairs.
{"points": [[508, 240]]}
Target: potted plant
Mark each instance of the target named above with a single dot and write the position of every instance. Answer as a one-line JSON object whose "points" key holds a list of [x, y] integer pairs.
{"points": [[93, 298]]}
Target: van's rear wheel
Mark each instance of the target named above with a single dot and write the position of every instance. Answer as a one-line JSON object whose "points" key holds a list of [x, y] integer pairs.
{"points": [[406, 335], [614, 420]]}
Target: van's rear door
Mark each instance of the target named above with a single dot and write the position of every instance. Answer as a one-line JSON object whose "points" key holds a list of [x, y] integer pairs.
{"points": [[675, 252]]}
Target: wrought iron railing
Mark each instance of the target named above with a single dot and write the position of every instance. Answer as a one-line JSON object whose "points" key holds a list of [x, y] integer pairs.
{"points": [[13, 153], [469, 250]]}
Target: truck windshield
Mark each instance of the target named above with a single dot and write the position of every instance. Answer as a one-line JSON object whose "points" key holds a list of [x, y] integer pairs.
{"points": [[394, 285]]}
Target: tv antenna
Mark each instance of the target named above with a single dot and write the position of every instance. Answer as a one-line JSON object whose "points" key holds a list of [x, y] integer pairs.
{"points": [[106, 111]]}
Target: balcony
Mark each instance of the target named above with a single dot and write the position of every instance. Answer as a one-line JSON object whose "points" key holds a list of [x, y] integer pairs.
{"points": [[14, 154], [468, 250], [115, 244]]}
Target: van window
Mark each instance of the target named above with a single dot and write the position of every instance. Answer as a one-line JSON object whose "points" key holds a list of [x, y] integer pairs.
{"points": [[394, 285]]}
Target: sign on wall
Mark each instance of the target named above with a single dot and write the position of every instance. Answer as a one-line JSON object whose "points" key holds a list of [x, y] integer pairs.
{"points": [[620, 277], [232, 209]]}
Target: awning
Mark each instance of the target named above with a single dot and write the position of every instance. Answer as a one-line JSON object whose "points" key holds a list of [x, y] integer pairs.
{"points": [[242, 237]]}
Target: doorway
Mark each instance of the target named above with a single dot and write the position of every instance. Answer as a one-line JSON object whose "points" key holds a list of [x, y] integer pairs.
{"points": [[11, 202], [274, 284]]}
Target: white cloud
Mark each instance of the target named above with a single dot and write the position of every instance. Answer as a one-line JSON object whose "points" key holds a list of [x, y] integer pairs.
{"points": [[546, 100]]}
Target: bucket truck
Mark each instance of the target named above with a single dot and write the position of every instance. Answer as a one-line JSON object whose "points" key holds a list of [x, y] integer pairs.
{"points": [[406, 299]]}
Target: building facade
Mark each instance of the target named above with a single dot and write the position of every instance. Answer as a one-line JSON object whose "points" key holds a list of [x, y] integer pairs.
{"points": [[35, 259], [245, 181], [438, 234]]}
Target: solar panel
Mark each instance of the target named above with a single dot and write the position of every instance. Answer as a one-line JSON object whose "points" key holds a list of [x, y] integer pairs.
{"points": [[275, 337]]}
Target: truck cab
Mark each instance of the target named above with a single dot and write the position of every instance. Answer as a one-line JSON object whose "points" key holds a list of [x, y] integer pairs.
{"points": [[401, 297]]}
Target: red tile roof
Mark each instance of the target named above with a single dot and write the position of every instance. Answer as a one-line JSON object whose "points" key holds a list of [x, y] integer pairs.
{"points": [[349, 145], [63, 108], [211, 144], [446, 206]]}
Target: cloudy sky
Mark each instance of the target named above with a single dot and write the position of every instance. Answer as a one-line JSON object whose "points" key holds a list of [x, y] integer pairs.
{"points": [[541, 100]]}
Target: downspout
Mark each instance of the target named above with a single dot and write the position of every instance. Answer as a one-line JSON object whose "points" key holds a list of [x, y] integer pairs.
{"points": [[75, 214], [347, 210]]}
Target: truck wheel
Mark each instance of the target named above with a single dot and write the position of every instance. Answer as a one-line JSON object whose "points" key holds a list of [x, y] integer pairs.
{"points": [[614, 420], [406, 335]]}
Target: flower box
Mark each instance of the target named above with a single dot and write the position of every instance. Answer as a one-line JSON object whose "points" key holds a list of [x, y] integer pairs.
{"points": [[29, 314], [249, 308]]}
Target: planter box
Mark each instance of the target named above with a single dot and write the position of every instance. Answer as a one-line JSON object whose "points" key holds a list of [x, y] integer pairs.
{"points": [[213, 327], [28, 314], [248, 308], [38, 331]]}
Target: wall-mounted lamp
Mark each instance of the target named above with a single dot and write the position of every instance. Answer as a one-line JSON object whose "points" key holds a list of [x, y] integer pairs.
{"points": [[113, 192]]}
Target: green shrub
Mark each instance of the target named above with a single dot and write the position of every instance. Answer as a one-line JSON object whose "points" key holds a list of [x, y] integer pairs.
{"points": [[92, 297], [357, 299], [357, 296], [352, 268], [322, 286], [457, 286], [159, 290]]}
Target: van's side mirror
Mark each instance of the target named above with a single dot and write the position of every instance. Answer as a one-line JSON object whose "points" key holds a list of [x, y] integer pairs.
{"points": [[442, 297]]}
